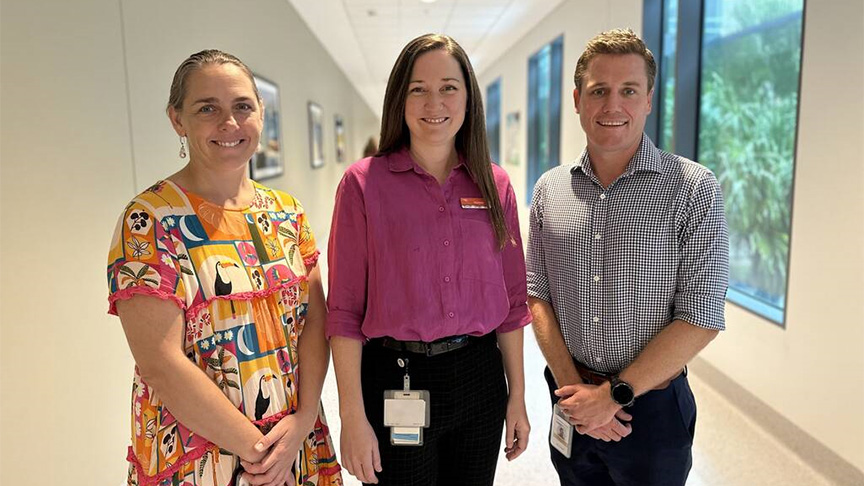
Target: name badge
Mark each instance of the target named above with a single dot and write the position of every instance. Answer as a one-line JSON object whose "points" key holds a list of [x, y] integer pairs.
{"points": [[473, 203], [561, 435]]}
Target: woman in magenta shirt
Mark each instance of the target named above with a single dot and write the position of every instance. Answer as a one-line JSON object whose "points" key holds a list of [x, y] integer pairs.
{"points": [[426, 266]]}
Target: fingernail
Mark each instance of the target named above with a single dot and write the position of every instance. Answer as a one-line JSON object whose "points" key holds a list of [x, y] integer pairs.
{"points": [[259, 447]]}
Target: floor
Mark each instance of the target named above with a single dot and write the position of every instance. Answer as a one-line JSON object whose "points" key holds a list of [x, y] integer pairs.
{"points": [[730, 450]]}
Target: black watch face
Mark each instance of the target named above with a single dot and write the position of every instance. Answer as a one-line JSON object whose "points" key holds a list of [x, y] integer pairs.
{"points": [[622, 393]]}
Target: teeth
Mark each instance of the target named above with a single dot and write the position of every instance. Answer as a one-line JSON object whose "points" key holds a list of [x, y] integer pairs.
{"points": [[228, 144], [612, 123], [434, 120]]}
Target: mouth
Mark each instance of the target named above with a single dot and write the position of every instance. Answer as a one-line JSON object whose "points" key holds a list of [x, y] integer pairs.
{"points": [[435, 121], [612, 123], [228, 144]]}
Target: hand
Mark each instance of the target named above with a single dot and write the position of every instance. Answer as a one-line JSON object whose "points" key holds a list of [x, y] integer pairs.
{"points": [[614, 431], [280, 446], [360, 450], [587, 406], [517, 428]]}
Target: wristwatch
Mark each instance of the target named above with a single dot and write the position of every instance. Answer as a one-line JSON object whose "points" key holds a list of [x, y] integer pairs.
{"points": [[622, 392]]}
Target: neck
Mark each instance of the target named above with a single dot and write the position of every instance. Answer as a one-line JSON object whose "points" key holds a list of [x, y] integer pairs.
{"points": [[229, 189], [608, 166], [437, 160]]}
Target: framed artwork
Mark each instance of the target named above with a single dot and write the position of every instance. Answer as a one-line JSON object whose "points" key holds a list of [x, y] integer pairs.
{"points": [[267, 160], [512, 136], [316, 136], [340, 138]]}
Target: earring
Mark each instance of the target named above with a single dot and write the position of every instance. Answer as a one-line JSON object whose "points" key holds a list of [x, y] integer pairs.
{"points": [[183, 147]]}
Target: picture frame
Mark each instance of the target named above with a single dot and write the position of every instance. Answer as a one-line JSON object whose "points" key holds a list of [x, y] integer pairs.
{"points": [[340, 138], [267, 161], [316, 136], [512, 138]]}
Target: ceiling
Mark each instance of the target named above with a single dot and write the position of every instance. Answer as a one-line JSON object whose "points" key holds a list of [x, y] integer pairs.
{"points": [[365, 37]]}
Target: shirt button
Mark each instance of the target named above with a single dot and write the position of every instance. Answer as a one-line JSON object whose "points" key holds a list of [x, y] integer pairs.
{"points": [[603, 196], [598, 359], [596, 319], [447, 279], [446, 242], [440, 209], [596, 278], [451, 315], [597, 236]]}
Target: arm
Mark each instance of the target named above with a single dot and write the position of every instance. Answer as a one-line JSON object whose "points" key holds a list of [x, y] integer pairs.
{"points": [[285, 439], [551, 342], [518, 428], [154, 330], [358, 443]]}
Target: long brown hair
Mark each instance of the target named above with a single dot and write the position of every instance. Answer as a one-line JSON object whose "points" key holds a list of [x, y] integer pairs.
{"points": [[470, 140]]}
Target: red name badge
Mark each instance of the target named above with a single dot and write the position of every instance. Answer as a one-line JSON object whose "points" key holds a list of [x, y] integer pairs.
{"points": [[473, 203]]}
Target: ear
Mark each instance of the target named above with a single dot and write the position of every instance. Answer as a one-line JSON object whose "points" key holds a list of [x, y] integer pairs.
{"points": [[174, 116], [576, 99], [650, 100]]}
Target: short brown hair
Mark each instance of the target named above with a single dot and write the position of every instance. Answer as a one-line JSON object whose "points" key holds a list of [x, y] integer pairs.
{"points": [[471, 140], [616, 41], [197, 61]]}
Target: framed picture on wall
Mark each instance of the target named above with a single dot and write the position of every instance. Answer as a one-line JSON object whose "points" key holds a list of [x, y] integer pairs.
{"points": [[340, 138], [316, 136], [267, 160], [512, 136]]}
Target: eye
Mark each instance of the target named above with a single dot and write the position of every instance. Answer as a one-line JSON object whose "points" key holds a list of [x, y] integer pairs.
{"points": [[629, 91], [598, 92], [206, 109], [416, 90], [244, 107], [449, 87]]}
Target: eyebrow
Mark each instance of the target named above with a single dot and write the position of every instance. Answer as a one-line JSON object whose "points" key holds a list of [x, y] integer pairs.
{"points": [[603, 84], [213, 99], [442, 79]]}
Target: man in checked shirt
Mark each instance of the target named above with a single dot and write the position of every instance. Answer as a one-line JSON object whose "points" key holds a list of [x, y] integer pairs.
{"points": [[627, 273]]}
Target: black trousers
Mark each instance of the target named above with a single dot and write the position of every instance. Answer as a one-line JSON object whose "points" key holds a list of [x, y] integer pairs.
{"points": [[468, 395], [656, 453]]}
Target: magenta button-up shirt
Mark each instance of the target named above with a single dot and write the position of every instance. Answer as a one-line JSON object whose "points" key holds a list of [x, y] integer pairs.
{"points": [[409, 259]]}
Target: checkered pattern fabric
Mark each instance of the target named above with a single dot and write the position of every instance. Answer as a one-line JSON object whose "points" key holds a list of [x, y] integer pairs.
{"points": [[619, 264]]}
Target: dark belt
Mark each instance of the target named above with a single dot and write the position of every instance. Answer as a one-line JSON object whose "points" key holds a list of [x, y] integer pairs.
{"points": [[592, 377], [439, 346]]}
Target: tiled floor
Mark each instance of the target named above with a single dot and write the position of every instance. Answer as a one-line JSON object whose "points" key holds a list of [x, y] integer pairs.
{"points": [[730, 450]]}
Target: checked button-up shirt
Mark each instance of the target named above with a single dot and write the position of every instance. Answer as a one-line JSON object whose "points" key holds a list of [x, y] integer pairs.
{"points": [[618, 264]]}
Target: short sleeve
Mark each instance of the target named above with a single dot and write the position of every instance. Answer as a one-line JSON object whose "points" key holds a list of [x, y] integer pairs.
{"points": [[513, 260], [143, 260], [306, 239], [703, 273], [538, 280]]}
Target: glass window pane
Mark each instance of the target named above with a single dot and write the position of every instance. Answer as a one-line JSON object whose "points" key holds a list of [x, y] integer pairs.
{"points": [[751, 61], [544, 111], [667, 75], [493, 120]]}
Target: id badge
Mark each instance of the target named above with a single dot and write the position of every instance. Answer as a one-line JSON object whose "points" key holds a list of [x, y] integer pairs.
{"points": [[561, 435], [406, 412]]}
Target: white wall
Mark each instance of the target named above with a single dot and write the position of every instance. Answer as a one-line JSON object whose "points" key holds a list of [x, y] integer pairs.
{"points": [[76, 146], [812, 372]]}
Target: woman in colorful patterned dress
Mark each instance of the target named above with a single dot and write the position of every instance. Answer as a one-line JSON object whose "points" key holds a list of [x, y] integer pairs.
{"points": [[215, 281]]}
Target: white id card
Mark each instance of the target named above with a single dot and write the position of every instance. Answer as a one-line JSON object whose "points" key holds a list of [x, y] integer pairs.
{"points": [[561, 435], [406, 412]]}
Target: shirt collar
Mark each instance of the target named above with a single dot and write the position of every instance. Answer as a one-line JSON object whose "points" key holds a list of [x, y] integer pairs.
{"points": [[401, 161], [646, 159]]}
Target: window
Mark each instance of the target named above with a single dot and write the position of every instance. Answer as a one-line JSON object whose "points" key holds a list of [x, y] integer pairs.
{"points": [[744, 104], [493, 120], [544, 111]]}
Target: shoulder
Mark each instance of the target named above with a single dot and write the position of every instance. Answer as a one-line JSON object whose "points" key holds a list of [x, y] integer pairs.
{"points": [[161, 199], [555, 176], [692, 175], [502, 179], [283, 200]]}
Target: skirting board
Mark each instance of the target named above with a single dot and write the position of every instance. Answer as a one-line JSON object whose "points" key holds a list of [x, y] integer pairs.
{"points": [[810, 450]]}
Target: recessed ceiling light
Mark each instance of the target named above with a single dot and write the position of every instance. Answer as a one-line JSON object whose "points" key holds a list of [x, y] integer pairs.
{"points": [[428, 1]]}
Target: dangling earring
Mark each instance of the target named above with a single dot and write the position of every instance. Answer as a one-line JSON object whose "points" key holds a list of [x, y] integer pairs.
{"points": [[183, 147]]}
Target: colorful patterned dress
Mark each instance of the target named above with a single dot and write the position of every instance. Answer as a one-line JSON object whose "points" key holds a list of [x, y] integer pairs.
{"points": [[240, 278]]}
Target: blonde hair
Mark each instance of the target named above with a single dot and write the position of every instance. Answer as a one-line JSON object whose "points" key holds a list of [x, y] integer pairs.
{"points": [[197, 61]]}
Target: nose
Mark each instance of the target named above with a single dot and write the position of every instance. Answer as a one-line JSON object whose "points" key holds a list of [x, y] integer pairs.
{"points": [[229, 121], [612, 104], [434, 100]]}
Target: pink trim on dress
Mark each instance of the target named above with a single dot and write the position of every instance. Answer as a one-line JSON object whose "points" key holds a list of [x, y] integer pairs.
{"points": [[191, 313], [129, 292], [312, 259]]}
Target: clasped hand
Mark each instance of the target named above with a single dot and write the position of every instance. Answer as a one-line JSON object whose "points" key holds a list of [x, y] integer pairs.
{"points": [[592, 411], [280, 447]]}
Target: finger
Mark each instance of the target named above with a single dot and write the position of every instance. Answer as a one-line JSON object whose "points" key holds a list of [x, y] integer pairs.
{"points": [[619, 428], [624, 416], [367, 473], [566, 390], [376, 457], [510, 435]]}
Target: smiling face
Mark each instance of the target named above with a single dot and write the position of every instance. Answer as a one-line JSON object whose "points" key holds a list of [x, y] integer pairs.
{"points": [[436, 100], [221, 117], [613, 104]]}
